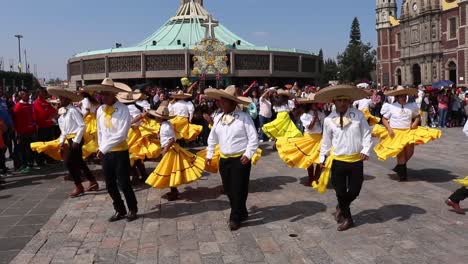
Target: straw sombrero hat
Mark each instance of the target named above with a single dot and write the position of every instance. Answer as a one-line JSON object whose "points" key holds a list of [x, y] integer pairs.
{"points": [[142, 95], [62, 92], [284, 92], [309, 100], [180, 95], [161, 112], [127, 98], [328, 94], [107, 85], [228, 93], [400, 90]]}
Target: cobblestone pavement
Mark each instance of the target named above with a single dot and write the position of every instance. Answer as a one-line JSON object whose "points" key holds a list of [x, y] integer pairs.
{"points": [[289, 223]]}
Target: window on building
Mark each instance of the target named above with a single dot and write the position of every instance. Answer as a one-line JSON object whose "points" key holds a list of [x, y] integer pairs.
{"points": [[398, 41], [434, 32], [452, 28]]}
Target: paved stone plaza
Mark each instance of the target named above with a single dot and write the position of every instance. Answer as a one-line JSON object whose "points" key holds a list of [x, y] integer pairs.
{"points": [[289, 223]]}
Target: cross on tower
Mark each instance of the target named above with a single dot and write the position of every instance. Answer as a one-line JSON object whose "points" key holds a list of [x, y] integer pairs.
{"points": [[210, 24]]}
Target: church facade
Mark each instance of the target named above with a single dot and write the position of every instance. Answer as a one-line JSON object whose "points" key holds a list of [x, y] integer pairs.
{"points": [[425, 44]]}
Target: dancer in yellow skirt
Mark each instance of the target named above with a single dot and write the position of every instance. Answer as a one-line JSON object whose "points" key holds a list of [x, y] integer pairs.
{"points": [[364, 106], [282, 126], [178, 166], [303, 152], [183, 112], [346, 143], [462, 193], [401, 119], [89, 106]]}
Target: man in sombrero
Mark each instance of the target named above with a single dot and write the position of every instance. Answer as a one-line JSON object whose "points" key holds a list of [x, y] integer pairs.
{"points": [[237, 137], [72, 128], [113, 124], [346, 144]]}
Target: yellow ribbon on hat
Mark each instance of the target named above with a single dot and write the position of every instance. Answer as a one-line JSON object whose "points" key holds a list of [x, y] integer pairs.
{"points": [[322, 183], [108, 111]]}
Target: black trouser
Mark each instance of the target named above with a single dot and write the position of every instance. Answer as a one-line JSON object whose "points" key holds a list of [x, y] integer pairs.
{"points": [[23, 151], [43, 135], [76, 165], [236, 178], [116, 169], [459, 195], [347, 179]]}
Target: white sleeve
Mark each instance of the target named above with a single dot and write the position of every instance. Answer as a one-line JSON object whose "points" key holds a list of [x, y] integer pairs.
{"points": [[326, 142], [212, 142], [366, 136], [62, 134], [79, 120], [99, 128], [465, 129], [252, 135], [191, 110], [306, 120]]}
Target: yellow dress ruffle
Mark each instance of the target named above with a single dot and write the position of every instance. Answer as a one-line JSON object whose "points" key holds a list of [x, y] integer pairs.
{"points": [[50, 148], [379, 131], [301, 152], [390, 147], [143, 142], [463, 181], [90, 144], [371, 120], [184, 130], [214, 166], [177, 167], [282, 126]]}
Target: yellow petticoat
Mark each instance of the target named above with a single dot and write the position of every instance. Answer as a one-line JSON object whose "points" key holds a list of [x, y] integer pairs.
{"points": [[463, 181], [379, 131], [390, 147], [90, 141], [142, 147], [371, 120], [177, 167], [184, 130], [50, 148], [282, 126], [214, 166], [300, 152], [322, 183]]}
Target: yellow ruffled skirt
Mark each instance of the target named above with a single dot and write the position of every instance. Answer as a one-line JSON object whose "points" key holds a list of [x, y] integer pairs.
{"points": [[177, 167], [142, 147], [371, 120], [90, 144], [50, 148], [301, 152], [390, 147], [282, 126], [463, 181], [214, 166], [184, 130]]}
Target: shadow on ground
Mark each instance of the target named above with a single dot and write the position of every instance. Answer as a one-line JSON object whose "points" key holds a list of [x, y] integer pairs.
{"points": [[269, 184], [399, 212]]}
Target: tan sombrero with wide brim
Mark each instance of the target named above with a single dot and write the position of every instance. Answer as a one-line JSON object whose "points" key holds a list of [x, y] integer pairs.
{"points": [[284, 92], [309, 100], [228, 93], [127, 98], [62, 92], [400, 90], [181, 95], [327, 95], [161, 112], [107, 85], [143, 96]]}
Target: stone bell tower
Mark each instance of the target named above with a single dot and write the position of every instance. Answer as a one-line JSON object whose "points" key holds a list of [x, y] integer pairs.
{"points": [[384, 10]]}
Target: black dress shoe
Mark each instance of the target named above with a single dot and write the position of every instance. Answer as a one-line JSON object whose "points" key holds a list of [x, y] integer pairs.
{"points": [[338, 216], [346, 224], [233, 225], [132, 216], [117, 216]]}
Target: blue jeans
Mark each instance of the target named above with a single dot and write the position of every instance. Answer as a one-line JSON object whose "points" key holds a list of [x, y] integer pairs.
{"points": [[262, 121], [442, 117]]}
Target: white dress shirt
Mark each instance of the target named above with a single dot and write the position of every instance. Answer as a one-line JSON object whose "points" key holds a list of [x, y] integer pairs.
{"points": [[134, 113], [166, 133], [87, 107], [144, 104], [354, 138], [182, 108], [399, 116], [118, 132], [265, 107], [71, 123], [364, 104], [308, 118], [236, 138]]}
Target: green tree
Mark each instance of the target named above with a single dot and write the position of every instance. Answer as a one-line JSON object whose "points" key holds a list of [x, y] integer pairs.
{"points": [[358, 60], [330, 72]]}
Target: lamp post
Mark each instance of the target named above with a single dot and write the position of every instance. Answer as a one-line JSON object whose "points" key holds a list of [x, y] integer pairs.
{"points": [[19, 51]]}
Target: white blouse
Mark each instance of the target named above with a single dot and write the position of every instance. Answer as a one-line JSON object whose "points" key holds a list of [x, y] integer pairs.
{"points": [[71, 123], [401, 116], [166, 133], [308, 118]]}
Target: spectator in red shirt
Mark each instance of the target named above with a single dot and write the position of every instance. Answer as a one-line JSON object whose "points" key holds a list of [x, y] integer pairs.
{"points": [[44, 115], [25, 130]]}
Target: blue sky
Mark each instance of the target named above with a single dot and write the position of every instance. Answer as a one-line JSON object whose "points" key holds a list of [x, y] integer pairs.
{"points": [[54, 30]]}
